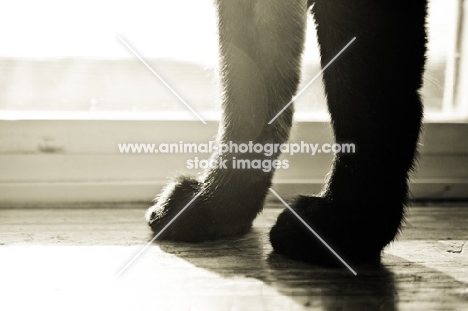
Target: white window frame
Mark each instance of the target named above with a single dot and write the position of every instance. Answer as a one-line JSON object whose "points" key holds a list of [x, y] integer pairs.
{"points": [[45, 161]]}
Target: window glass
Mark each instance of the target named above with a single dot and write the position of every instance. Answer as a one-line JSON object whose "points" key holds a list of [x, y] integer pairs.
{"points": [[66, 56]]}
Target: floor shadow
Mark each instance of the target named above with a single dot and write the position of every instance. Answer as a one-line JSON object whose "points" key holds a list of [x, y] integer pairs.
{"points": [[380, 287], [372, 289]]}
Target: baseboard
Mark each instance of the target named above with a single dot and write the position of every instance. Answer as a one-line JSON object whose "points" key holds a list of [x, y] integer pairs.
{"points": [[40, 194]]}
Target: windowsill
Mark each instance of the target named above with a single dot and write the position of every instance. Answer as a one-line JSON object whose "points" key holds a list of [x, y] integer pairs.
{"points": [[77, 159]]}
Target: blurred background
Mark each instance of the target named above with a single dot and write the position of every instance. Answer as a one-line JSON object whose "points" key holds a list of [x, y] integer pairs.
{"points": [[65, 56]]}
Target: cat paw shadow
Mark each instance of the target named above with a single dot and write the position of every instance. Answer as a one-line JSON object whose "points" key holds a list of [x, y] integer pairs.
{"points": [[251, 256]]}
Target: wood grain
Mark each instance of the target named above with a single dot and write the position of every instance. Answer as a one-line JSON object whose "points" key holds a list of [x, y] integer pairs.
{"points": [[65, 258]]}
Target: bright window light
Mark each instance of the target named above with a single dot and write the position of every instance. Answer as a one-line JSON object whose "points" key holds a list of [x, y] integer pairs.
{"points": [[65, 56]]}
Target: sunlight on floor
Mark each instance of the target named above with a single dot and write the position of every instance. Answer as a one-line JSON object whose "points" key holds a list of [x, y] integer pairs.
{"points": [[85, 278], [68, 259], [448, 257]]}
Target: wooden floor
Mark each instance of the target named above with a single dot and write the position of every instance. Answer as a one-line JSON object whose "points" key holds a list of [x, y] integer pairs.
{"points": [[68, 259]]}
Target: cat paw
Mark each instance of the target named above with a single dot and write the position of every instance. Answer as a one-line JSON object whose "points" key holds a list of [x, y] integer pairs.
{"points": [[354, 234], [202, 220]]}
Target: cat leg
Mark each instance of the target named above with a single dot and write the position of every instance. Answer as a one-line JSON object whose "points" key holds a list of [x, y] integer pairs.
{"points": [[261, 42], [373, 100]]}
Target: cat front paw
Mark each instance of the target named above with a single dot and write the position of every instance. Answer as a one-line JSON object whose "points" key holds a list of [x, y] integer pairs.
{"points": [[354, 235], [203, 219]]}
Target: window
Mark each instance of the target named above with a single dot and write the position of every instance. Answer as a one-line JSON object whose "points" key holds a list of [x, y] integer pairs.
{"points": [[71, 60]]}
